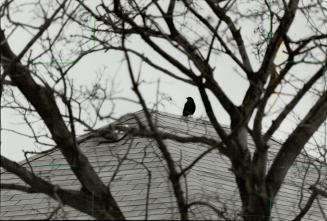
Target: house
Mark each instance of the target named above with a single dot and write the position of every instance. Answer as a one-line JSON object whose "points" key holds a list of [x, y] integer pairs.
{"points": [[141, 186]]}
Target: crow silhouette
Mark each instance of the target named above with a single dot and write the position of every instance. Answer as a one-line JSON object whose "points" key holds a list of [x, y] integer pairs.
{"points": [[189, 107]]}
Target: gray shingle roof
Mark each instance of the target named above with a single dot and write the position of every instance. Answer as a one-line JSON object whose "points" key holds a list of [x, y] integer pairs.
{"points": [[139, 162]]}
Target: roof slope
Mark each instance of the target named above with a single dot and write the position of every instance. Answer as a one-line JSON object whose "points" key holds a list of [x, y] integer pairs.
{"points": [[141, 185]]}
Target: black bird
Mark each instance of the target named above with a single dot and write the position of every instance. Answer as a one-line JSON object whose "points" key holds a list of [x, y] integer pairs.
{"points": [[189, 107]]}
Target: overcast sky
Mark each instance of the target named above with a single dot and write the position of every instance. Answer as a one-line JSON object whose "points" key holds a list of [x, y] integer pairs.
{"points": [[84, 72]]}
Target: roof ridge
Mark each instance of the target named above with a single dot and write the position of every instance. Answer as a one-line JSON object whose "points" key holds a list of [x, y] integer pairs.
{"points": [[163, 113], [130, 116], [49, 151]]}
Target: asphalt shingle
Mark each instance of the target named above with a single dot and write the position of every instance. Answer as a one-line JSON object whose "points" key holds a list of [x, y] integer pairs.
{"points": [[210, 179]]}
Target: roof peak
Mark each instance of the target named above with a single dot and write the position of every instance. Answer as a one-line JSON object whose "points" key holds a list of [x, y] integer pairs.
{"points": [[164, 118], [153, 112]]}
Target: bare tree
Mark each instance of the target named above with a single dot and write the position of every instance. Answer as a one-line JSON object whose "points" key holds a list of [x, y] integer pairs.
{"points": [[188, 36]]}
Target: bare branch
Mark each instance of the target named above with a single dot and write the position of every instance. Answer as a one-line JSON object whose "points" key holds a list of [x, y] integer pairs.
{"points": [[295, 143]]}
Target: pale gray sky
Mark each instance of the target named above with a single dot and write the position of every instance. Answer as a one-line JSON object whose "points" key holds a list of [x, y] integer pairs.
{"points": [[85, 71]]}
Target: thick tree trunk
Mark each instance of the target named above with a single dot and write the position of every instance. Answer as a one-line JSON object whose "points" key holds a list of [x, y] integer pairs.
{"points": [[258, 209], [250, 178]]}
